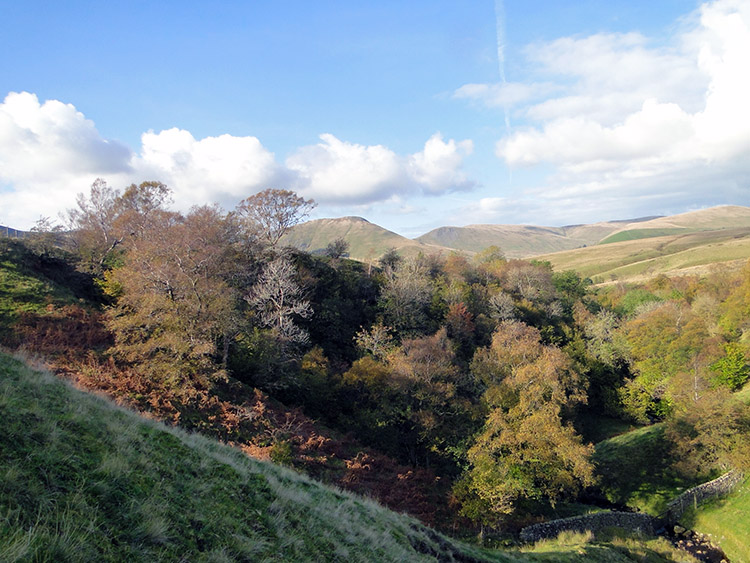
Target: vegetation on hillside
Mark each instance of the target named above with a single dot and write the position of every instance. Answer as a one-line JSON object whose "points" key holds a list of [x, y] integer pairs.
{"points": [[464, 391], [83, 480]]}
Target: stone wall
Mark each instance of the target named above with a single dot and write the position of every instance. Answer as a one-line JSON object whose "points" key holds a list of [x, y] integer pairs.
{"points": [[633, 521], [696, 495]]}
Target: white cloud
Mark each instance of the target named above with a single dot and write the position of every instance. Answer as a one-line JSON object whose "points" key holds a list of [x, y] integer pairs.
{"points": [[47, 153], [634, 128], [338, 172], [437, 169], [504, 95], [50, 152], [223, 169]]}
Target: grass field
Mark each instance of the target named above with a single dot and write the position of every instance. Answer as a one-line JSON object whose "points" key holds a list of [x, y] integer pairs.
{"points": [[727, 520], [636, 234]]}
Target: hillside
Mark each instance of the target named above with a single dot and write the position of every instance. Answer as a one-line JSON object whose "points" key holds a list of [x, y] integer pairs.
{"points": [[367, 241], [519, 241], [632, 260], [84, 480]]}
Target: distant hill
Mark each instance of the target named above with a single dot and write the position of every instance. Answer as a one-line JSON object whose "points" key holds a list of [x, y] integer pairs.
{"points": [[367, 241], [634, 260], [647, 244], [714, 218]]}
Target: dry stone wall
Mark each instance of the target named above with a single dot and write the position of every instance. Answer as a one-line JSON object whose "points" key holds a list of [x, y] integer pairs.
{"points": [[693, 497], [634, 521]]}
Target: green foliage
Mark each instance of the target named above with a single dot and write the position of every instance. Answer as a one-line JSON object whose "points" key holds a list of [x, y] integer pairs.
{"points": [[731, 370], [525, 450], [282, 453], [636, 298], [668, 345]]}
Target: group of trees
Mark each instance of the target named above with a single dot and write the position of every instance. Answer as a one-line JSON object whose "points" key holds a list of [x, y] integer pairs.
{"points": [[480, 368]]}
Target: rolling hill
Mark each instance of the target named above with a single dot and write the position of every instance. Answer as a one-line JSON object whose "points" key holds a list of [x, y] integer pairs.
{"points": [[605, 251], [367, 241], [632, 260]]}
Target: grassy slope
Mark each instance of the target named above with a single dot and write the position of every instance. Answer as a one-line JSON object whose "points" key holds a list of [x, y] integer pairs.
{"points": [[727, 520], [22, 289], [366, 241], [515, 240], [83, 480], [630, 260], [636, 234], [634, 469]]}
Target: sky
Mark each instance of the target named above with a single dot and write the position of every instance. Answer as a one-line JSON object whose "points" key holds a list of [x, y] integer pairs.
{"points": [[413, 115]]}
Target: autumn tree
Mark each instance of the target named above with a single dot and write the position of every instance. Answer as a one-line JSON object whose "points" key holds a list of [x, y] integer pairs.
{"points": [[105, 218], [271, 213], [92, 225], [526, 449], [414, 401], [714, 434], [175, 312], [671, 350]]}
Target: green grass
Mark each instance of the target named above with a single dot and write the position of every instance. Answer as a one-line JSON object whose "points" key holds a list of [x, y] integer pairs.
{"points": [[21, 288], [575, 546], [634, 469], [84, 480], [727, 519], [596, 428], [636, 234]]}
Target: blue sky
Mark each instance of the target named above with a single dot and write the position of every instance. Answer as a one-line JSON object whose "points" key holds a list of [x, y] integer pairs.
{"points": [[411, 114]]}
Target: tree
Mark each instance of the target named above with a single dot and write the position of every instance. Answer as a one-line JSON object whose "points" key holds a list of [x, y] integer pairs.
{"points": [[175, 313], [92, 225], [271, 213], [526, 450], [105, 219], [406, 296], [732, 369], [277, 297], [45, 236], [390, 259], [339, 248]]}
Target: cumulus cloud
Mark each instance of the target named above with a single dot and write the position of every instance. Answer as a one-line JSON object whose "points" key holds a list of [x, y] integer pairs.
{"points": [[222, 169], [340, 172], [50, 152], [635, 125], [47, 151]]}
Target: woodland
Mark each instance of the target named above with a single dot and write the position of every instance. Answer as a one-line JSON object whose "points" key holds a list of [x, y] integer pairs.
{"points": [[471, 391]]}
